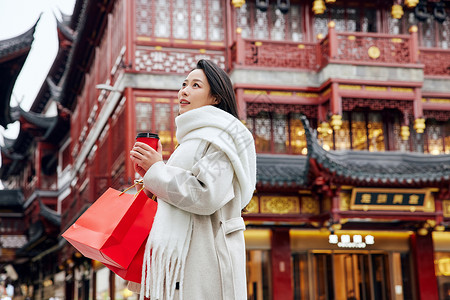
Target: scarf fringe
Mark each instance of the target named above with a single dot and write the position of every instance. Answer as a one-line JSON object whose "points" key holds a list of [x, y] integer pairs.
{"points": [[162, 267]]}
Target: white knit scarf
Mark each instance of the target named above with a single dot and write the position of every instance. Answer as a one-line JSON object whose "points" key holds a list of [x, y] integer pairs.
{"points": [[169, 239]]}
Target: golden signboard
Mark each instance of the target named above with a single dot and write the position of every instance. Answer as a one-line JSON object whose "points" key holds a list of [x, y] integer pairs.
{"points": [[392, 199], [253, 206], [446, 208], [279, 205]]}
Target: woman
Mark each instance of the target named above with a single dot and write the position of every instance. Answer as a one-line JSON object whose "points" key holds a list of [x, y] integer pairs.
{"points": [[197, 243]]}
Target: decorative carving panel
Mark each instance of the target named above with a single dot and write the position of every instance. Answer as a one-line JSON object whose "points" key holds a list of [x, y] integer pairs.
{"points": [[198, 20], [271, 24], [437, 62], [13, 241], [192, 21], [118, 28], [180, 19], [215, 21], [253, 206], [243, 20], [438, 115], [324, 46], [281, 55], [280, 133], [169, 60], [254, 108], [310, 205], [348, 104], [279, 205], [162, 19], [261, 25], [278, 30], [142, 17], [356, 48], [295, 23]]}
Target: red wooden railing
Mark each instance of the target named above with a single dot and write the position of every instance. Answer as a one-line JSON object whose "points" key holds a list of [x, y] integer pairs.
{"points": [[372, 48], [343, 48], [436, 61], [277, 54]]}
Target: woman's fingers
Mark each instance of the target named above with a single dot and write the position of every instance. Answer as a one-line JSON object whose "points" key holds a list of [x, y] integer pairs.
{"points": [[144, 146], [144, 156], [159, 147]]}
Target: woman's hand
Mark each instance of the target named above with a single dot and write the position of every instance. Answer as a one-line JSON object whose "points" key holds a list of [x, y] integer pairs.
{"points": [[143, 157]]}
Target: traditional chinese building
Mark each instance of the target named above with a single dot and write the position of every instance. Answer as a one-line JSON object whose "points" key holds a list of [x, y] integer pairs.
{"points": [[349, 104]]}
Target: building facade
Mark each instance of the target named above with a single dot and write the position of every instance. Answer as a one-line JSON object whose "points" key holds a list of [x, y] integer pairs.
{"points": [[349, 105]]}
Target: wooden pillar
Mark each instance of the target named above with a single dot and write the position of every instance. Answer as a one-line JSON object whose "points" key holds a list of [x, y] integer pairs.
{"points": [[240, 48], [230, 34], [281, 264], [241, 104], [38, 165], [417, 104], [423, 256], [414, 45], [130, 133], [332, 40], [130, 21], [335, 100]]}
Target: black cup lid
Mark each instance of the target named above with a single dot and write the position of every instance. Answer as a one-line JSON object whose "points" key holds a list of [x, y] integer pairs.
{"points": [[147, 135]]}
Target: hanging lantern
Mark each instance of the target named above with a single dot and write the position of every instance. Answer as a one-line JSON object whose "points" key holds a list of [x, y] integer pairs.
{"points": [[324, 128], [411, 3], [397, 11], [422, 231], [283, 6], [318, 7], [237, 3], [419, 125], [262, 5], [336, 122], [421, 12], [404, 133], [439, 12], [330, 1], [439, 228]]}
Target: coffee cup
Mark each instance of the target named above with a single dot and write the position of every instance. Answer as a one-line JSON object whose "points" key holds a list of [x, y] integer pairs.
{"points": [[148, 138]]}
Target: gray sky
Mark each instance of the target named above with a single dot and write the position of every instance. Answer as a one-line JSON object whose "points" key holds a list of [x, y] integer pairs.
{"points": [[16, 17]]}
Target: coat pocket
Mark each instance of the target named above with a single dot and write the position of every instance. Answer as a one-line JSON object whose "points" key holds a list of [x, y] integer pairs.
{"points": [[231, 255]]}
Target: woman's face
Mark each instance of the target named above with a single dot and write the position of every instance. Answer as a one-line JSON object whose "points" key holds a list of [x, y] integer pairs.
{"points": [[195, 92]]}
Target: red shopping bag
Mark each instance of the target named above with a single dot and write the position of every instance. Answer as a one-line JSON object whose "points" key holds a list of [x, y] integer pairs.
{"points": [[113, 228], [134, 270]]}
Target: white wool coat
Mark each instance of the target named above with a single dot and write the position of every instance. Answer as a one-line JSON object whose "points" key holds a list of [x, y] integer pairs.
{"points": [[200, 179]]}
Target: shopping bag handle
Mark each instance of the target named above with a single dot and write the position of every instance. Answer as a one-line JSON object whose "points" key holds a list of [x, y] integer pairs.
{"points": [[135, 183]]}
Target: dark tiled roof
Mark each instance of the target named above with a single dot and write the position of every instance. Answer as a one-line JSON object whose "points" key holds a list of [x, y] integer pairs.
{"points": [[50, 214], [35, 232], [36, 119], [13, 53], [63, 27], [381, 167], [9, 198], [10, 47], [280, 170], [55, 91]]}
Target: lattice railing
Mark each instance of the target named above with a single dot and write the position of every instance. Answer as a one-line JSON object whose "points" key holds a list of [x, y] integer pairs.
{"points": [[336, 47], [374, 48], [173, 60], [280, 54], [436, 61]]}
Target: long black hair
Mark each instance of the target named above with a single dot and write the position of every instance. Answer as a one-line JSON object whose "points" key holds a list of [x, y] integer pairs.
{"points": [[221, 86]]}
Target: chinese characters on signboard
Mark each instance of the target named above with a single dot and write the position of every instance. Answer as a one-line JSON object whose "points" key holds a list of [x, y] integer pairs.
{"points": [[354, 241], [391, 199]]}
